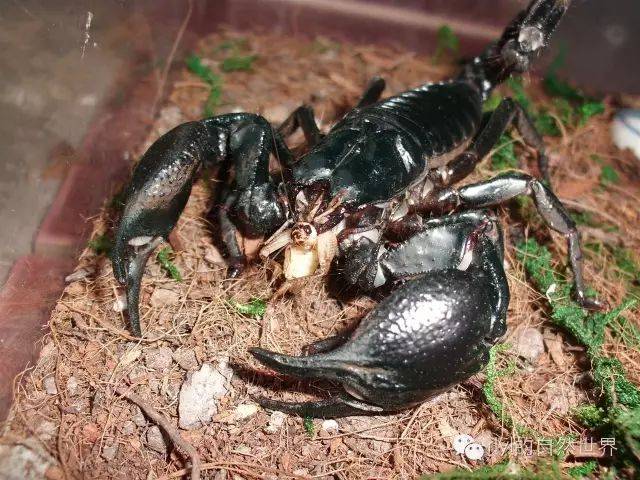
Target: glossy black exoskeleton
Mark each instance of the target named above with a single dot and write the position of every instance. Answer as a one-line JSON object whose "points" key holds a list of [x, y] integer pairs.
{"points": [[377, 181], [434, 330]]}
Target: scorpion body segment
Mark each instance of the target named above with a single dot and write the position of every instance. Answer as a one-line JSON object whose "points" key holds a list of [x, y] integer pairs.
{"points": [[376, 152], [378, 188]]}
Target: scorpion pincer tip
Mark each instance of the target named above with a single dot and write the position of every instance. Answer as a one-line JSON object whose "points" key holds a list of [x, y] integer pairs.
{"points": [[306, 366], [271, 359]]}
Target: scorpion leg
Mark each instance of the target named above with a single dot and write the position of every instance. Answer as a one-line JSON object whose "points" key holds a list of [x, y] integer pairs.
{"points": [[234, 255], [499, 120], [372, 92], [508, 185], [398, 356], [302, 117]]}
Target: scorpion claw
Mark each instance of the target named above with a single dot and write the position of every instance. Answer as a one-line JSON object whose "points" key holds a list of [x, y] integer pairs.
{"points": [[156, 196], [133, 260], [297, 366], [326, 366], [333, 407]]}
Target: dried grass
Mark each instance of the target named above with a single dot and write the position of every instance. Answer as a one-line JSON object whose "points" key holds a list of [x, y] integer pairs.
{"points": [[88, 340]]}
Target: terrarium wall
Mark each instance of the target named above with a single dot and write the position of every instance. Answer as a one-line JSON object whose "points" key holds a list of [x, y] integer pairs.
{"points": [[83, 82]]}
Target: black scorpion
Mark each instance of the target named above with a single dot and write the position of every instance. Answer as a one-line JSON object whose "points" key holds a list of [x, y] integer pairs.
{"points": [[381, 183]]}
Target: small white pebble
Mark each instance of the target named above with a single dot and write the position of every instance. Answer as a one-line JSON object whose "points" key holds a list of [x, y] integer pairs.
{"points": [[330, 426], [474, 451], [72, 385], [138, 417], [120, 304], [49, 384], [155, 440], [128, 428], [245, 411], [158, 358], [186, 358], [243, 450], [460, 442], [528, 344], [625, 130], [276, 420], [551, 290], [109, 452], [46, 430]]}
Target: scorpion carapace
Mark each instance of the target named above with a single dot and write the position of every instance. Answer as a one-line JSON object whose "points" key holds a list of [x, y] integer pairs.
{"points": [[378, 188]]}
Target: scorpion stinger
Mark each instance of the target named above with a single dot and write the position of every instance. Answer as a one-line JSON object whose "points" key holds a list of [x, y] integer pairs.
{"points": [[522, 41]]}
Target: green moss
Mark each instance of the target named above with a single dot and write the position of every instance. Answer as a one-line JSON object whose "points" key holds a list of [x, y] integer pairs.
{"points": [[626, 263], [627, 331], [101, 244], [546, 124], [238, 62], [504, 156], [608, 175], [575, 107], [589, 109], [616, 389], [255, 308], [308, 425], [492, 102], [446, 42], [564, 110], [583, 470], [493, 373], [556, 87], [618, 409], [163, 258], [504, 471], [584, 218], [591, 416], [195, 65], [520, 95]]}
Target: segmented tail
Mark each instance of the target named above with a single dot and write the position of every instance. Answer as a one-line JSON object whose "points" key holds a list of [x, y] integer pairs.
{"points": [[521, 42]]}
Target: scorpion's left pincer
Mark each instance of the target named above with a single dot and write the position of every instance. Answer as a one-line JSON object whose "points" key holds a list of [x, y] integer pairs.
{"points": [[161, 184], [156, 196]]}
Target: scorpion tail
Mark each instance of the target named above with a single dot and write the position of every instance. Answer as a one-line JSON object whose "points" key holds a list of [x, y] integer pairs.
{"points": [[521, 42]]}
